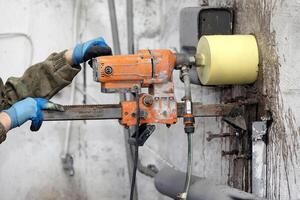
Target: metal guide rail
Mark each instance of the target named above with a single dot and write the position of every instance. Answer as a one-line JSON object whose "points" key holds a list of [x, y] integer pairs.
{"points": [[113, 111]]}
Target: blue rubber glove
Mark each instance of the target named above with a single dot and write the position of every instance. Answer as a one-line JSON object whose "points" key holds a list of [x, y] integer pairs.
{"points": [[90, 49], [30, 109]]}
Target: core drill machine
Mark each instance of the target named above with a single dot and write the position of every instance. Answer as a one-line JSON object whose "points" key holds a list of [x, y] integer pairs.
{"points": [[148, 76]]}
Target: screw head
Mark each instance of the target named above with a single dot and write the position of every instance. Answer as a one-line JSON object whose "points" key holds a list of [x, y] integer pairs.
{"points": [[108, 70], [148, 100]]}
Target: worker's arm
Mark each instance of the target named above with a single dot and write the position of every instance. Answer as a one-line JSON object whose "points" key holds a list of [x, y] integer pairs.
{"points": [[45, 79], [22, 111]]}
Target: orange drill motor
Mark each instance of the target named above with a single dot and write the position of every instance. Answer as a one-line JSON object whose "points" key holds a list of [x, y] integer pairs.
{"points": [[151, 69]]}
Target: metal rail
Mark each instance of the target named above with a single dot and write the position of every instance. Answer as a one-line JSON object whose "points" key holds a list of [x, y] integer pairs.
{"points": [[113, 111]]}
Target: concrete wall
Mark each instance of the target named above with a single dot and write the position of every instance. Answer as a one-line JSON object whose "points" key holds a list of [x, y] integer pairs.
{"points": [[276, 26], [30, 165]]}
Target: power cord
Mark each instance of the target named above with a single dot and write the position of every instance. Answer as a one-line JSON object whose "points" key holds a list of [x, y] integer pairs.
{"points": [[136, 149]]}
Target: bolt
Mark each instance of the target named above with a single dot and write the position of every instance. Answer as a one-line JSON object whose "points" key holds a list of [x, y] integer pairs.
{"points": [[267, 116], [242, 156], [148, 100], [135, 88], [165, 113], [212, 136], [108, 70], [230, 153]]}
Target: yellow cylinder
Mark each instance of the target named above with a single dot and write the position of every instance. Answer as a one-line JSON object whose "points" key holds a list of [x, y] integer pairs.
{"points": [[227, 59]]}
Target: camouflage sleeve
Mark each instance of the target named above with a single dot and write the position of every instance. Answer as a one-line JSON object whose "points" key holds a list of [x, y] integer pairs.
{"points": [[43, 80], [2, 133], [3, 100]]}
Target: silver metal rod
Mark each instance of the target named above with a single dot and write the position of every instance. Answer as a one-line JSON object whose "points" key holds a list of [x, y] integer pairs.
{"points": [[187, 84], [130, 26], [114, 26]]}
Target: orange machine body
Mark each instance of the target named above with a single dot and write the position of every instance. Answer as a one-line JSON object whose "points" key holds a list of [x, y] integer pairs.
{"points": [[152, 69]]}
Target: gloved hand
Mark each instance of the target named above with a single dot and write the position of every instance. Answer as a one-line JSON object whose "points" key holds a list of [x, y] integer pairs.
{"points": [[90, 49], [30, 109]]}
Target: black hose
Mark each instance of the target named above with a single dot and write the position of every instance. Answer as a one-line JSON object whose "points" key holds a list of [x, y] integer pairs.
{"points": [[136, 149], [150, 170], [136, 154]]}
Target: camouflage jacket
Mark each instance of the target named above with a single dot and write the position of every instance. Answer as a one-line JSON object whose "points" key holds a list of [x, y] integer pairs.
{"points": [[44, 80]]}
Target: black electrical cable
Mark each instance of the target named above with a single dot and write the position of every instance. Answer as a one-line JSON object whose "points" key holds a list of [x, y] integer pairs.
{"points": [[133, 179], [136, 149]]}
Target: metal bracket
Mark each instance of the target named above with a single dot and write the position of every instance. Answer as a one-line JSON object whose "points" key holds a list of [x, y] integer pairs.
{"points": [[145, 131], [260, 128], [259, 154], [236, 119]]}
